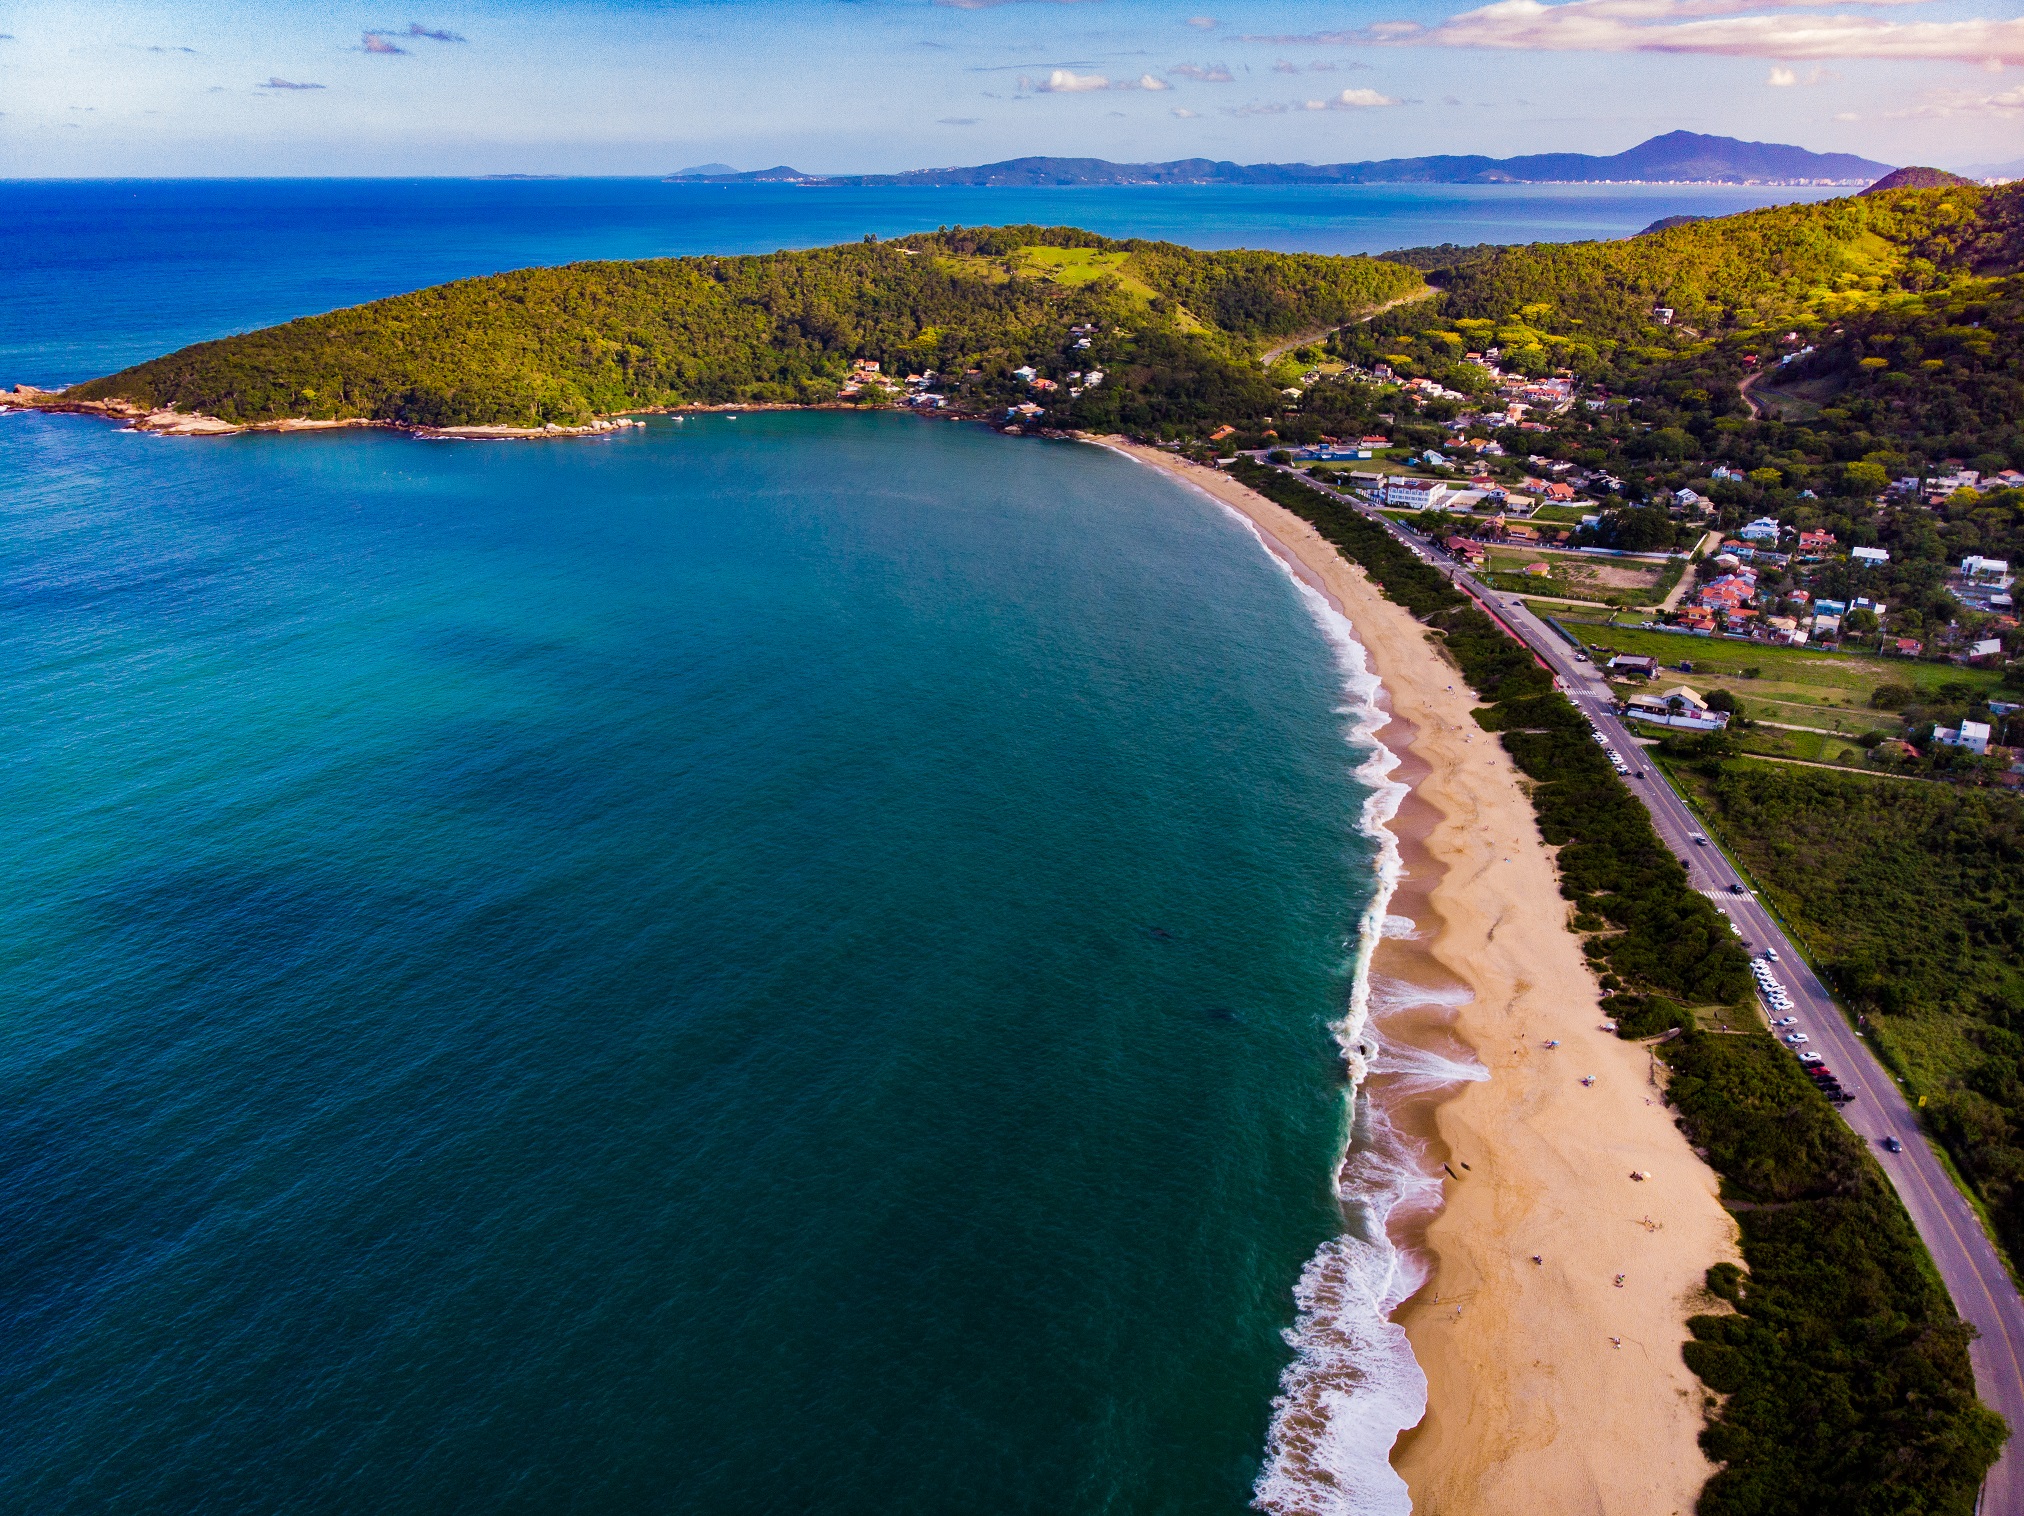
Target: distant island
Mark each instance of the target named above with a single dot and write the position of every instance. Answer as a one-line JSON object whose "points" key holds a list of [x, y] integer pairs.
{"points": [[1675, 158]]}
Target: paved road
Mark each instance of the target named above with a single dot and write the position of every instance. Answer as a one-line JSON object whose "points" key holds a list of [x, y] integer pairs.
{"points": [[1966, 1259]]}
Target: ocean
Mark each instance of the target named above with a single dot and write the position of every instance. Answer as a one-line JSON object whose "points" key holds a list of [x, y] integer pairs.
{"points": [[789, 962], [105, 273]]}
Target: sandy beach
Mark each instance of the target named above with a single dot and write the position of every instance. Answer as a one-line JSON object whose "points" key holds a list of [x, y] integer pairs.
{"points": [[1551, 1325]]}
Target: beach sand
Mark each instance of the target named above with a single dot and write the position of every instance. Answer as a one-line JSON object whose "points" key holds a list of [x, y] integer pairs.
{"points": [[1551, 1386]]}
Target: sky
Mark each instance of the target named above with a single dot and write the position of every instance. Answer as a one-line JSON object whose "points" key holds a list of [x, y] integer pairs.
{"points": [[337, 87]]}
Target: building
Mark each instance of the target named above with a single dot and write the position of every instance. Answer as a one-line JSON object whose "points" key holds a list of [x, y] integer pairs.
{"points": [[1763, 529], [1816, 542], [1406, 494], [1633, 664], [1994, 571], [1972, 735], [1869, 555]]}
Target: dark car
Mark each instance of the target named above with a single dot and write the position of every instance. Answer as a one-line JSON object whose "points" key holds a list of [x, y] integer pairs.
{"points": [[1892, 1145], [1737, 889]]}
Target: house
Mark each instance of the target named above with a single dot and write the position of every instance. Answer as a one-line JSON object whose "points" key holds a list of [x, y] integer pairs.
{"points": [[1723, 471], [1376, 440], [1221, 432], [1686, 697], [1662, 314], [1987, 647], [1869, 555], [1977, 570], [1521, 531], [1559, 493], [1467, 549], [1835, 608], [1541, 570], [1413, 494], [1688, 500], [1972, 735], [1907, 647], [1626, 665], [1763, 529], [1816, 542], [1025, 375]]}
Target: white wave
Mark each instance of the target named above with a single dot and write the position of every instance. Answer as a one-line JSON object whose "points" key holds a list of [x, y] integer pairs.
{"points": [[1353, 1385], [1401, 927]]}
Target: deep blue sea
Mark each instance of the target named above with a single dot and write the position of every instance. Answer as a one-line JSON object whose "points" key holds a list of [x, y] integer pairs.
{"points": [[776, 964], [101, 274]]}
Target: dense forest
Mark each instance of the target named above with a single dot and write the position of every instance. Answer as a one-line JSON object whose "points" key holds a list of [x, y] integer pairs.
{"points": [[565, 344], [1842, 1368]]}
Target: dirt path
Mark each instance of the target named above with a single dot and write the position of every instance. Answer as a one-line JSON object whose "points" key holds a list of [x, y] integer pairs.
{"points": [[1273, 354], [1743, 391]]}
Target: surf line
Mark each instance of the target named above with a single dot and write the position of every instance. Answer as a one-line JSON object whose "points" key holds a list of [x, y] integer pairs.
{"points": [[1354, 1385]]}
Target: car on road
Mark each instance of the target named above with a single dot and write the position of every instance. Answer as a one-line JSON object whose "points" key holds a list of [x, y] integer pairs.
{"points": [[1737, 889], [1699, 840], [1770, 955], [1786, 1021], [1797, 1039], [1892, 1145]]}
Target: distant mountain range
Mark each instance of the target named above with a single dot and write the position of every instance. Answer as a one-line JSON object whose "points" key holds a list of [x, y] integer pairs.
{"points": [[1675, 158]]}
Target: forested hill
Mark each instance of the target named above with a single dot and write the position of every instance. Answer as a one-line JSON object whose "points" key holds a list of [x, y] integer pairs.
{"points": [[561, 345]]}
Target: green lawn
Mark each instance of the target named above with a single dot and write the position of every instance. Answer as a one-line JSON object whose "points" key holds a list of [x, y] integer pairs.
{"points": [[1793, 685]]}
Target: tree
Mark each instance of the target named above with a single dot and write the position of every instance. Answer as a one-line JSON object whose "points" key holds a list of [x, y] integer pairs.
{"points": [[1722, 700], [1864, 479]]}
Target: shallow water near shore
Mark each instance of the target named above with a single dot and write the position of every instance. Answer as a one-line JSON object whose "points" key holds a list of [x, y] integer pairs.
{"points": [[779, 963]]}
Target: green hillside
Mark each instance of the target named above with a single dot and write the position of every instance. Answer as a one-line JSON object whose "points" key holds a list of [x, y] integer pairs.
{"points": [[565, 344]]}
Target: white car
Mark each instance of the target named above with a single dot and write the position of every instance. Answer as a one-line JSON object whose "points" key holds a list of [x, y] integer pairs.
{"points": [[1786, 1021], [1797, 1039], [1770, 955], [1811, 1058]]}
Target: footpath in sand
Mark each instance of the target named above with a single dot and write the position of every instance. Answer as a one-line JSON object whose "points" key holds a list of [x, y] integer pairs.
{"points": [[1552, 1385]]}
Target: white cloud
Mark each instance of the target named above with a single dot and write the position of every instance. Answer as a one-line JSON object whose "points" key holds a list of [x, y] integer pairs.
{"points": [[1066, 82], [1184, 113], [1778, 29], [1204, 23], [1782, 78], [1353, 100], [1147, 81], [1210, 73], [2008, 106]]}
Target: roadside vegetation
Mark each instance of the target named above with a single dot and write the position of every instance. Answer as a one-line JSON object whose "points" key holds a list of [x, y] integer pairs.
{"points": [[1839, 1374], [1906, 897]]}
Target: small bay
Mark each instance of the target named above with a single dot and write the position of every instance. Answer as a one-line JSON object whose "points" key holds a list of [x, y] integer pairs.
{"points": [[765, 964]]}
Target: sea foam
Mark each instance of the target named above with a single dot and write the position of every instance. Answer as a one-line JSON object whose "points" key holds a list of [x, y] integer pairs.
{"points": [[1353, 1385]]}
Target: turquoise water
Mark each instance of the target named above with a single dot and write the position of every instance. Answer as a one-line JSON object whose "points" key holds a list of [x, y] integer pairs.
{"points": [[775, 965], [102, 274]]}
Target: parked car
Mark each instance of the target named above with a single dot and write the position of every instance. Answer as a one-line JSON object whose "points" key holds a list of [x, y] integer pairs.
{"points": [[1797, 1039], [1811, 1058], [1786, 1021], [1770, 955]]}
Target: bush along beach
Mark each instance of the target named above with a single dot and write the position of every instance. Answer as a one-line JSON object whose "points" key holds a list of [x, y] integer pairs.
{"points": [[1838, 1371]]}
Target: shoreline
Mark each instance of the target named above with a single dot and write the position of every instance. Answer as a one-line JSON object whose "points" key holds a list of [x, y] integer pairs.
{"points": [[168, 422], [1548, 1384]]}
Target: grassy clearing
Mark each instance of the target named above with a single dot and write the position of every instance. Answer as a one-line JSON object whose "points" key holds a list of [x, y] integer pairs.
{"points": [[1791, 685]]}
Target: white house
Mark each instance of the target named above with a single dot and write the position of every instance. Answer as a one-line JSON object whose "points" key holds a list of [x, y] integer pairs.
{"points": [[1414, 494], [1985, 570], [1763, 529], [1869, 554], [1972, 735]]}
